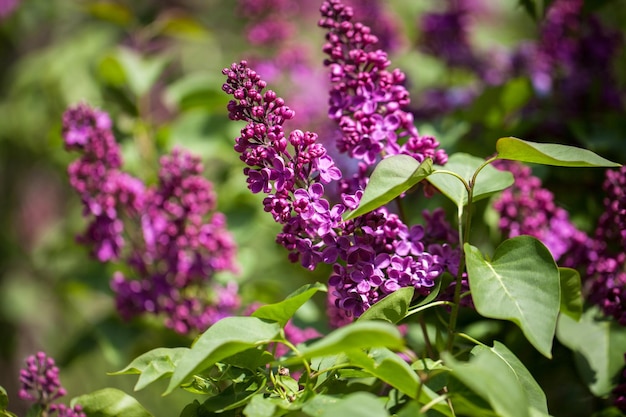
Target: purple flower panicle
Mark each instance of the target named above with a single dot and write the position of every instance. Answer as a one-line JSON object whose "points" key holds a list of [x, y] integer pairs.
{"points": [[367, 100], [372, 255], [606, 270], [40, 384], [527, 208], [169, 235]]}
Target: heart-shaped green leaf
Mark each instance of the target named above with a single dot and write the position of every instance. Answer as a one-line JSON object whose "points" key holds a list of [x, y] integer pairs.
{"points": [[520, 284], [549, 154], [391, 177], [488, 181]]}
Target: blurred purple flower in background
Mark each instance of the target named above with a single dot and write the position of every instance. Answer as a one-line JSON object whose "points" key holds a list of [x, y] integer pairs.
{"points": [[169, 235], [526, 208], [7, 7]]}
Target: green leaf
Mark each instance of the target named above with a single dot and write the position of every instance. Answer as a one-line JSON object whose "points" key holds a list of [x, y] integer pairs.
{"points": [[493, 380], [388, 367], [141, 73], [236, 395], [284, 310], [4, 398], [225, 338], [488, 182], [392, 308], [520, 284], [571, 295], [195, 91], [191, 410], [391, 177], [358, 404], [549, 154], [354, 336], [499, 105], [598, 344], [250, 359], [530, 7], [34, 410], [259, 406], [110, 402], [318, 404], [4, 404], [184, 26], [534, 393], [153, 365], [113, 12]]}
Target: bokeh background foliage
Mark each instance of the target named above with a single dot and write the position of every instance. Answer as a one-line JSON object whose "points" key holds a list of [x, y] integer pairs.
{"points": [[155, 67]]}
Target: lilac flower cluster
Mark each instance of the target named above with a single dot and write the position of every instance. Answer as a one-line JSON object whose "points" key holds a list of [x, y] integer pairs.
{"points": [[168, 235], [573, 59], [570, 64], [270, 22], [373, 255], [367, 100], [527, 208], [607, 266], [445, 35], [41, 385]]}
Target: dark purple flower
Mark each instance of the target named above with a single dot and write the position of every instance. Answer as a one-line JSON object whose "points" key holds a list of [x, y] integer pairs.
{"points": [[368, 101], [606, 283], [527, 208]]}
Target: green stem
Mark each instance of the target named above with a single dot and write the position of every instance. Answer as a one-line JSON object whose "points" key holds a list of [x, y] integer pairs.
{"points": [[464, 236], [471, 339], [429, 346], [425, 307], [401, 211], [309, 371]]}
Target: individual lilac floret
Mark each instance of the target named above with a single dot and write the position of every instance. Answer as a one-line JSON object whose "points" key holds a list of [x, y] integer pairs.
{"points": [[368, 102], [527, 208], [40, 384], [607, 279], [179, 242], [373, 255]]}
